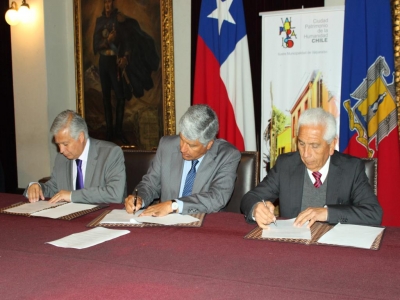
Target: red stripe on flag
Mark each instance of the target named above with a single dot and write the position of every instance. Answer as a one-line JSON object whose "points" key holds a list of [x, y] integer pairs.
{"points": [[388, 175], [210, 89], [389, 179]]}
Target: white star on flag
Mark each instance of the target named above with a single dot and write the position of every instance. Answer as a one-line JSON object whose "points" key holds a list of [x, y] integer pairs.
{"points": [[222, 13]]}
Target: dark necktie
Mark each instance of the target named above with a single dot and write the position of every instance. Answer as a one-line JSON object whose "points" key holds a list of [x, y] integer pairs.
{"points": [[79, 176], [317, 176], [187, 190]]}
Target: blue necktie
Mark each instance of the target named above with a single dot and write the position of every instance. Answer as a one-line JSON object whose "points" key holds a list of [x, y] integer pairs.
{"points": [[187, 190], [79, 176]]}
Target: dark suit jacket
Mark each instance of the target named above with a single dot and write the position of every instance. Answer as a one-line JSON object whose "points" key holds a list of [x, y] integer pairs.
{"points": [[105, 177], [214, 181], [349, 196]]}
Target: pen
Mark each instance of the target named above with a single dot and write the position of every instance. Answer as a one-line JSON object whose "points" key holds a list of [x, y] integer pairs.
{"points": [[134, 202], [266, 206]]}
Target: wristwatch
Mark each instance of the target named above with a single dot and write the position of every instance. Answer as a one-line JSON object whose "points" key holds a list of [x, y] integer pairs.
{"points": [[174, 206]]}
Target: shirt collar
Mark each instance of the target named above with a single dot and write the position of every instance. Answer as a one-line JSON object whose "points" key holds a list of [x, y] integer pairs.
{"points": [[324, 171], [85, 152]]}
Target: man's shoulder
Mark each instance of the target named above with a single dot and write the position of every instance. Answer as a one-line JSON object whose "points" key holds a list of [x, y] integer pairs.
{"points": [[290, 156], [344, 156], [168, 144], [223, 147], [168, 140], [223, 144], [100, 145], [344, 159]]}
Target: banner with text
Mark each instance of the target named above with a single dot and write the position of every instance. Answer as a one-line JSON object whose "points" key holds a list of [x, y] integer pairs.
{"points": [[301, 68]]}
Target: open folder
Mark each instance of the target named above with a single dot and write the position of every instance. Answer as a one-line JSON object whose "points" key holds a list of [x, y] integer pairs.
{"points": [[120, 218], [59, 210], [344, 235]]}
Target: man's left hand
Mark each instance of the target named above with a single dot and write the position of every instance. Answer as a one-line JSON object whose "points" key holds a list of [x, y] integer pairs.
{"points": [[311, 214], [122, 62], [62, 195], [158, 210]]}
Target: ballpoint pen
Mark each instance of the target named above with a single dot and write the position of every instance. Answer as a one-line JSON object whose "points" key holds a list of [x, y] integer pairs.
{"points": [[265, 204], [135, 201]]}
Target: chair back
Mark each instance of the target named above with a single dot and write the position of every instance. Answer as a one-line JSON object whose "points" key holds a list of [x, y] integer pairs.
{"points": [[247, 178], [137, 162]]}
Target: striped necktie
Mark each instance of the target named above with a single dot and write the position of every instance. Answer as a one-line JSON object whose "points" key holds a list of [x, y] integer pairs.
{"points": [[317, 176], [187, 190]]}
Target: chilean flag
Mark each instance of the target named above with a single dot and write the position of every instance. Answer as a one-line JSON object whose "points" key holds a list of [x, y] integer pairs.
{"points": [[368, 116], [222, 75]]}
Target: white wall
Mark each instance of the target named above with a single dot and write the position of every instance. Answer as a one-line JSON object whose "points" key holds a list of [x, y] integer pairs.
{"points": [[31, 96], [44, 78], [182, 44]]}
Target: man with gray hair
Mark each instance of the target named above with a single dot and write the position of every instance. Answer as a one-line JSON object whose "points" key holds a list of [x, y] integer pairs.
{"points": [[191, 173], [315, 183], [86, 170]]}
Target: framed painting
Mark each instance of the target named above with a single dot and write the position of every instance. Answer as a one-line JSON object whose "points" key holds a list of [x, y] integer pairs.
{"points": [[124, 60]]}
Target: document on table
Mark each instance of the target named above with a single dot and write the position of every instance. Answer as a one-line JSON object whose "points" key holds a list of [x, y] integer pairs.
{"points": [[119, 216], [351, 235], [286, 230], [171, 219], [29, 208], [88, 238], [63, 210]]}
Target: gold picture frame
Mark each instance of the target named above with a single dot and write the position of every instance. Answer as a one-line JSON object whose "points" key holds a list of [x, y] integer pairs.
{"points": [[148, 117]]}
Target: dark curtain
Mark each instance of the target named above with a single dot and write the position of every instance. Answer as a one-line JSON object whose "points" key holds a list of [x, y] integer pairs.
{"points": [[252, 8], [2, 186], [8, 159]]}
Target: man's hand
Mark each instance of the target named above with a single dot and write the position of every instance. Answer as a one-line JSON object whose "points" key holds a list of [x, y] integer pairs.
{"points": [[62, 195], [264, 214], [35, 193], [129, 204], [111, 36], [122, 62], [158, 210], [311, 214]]}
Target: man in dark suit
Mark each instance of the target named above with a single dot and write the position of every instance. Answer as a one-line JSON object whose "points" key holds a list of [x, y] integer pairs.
{"points": [[101, 166], [127, 60], [176, 157], [316, 183]]}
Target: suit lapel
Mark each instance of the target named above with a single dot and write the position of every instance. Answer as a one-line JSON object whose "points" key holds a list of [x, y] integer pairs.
{"points": [[176, 172], [297, 183], [203, 172], [91, 163], [68, 166], [334, 177]]}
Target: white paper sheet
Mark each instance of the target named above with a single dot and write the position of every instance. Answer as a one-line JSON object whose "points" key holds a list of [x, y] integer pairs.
{"points": [[171, 219], [351, 235], [63, 210], [88, 238], [285, 229], [29, 208], [119, 216]]}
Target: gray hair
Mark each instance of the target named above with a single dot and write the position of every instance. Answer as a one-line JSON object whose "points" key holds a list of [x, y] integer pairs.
{"points": [[199, 122], [73, 121], [318, 116]]}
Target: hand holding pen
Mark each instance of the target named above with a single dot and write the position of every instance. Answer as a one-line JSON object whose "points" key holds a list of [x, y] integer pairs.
{"points": [[265, 204], [135, 201]]}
